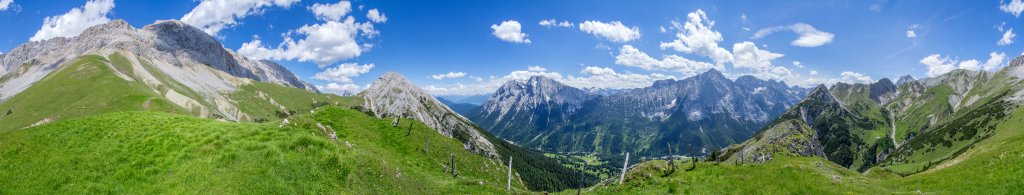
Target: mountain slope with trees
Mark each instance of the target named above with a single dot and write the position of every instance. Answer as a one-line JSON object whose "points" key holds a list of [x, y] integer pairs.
{"points": [[707, 111]]}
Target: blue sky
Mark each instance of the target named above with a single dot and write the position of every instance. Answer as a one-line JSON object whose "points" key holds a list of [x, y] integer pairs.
{"points": [[471, 47]]}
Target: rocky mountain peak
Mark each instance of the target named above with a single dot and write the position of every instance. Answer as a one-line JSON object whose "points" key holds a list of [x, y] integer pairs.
{"points": [[751, 81], [542, 84], [1016, 67], [172, 26], [904, 79], [660, 83], [539, 78], [820, 92], [116, 25], [1017, 62], [880, 88], [392, 95], [538, 91], [393, 77], [711, 74]]}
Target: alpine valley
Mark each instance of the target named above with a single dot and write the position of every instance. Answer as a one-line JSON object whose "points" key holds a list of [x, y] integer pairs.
{"points": [[707, 111], [93, 105]]}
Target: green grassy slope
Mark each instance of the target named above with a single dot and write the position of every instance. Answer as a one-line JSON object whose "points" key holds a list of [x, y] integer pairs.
{"points": [[264, 100], [992, 166], [975, 120], [991, 169], [150, 152], [783, 175], [95, 84], [86, 86]]}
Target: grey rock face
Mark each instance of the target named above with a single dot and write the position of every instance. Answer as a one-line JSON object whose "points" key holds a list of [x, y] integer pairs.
{"points": [[170, 43], [790, 137], [1016, 67], [519, 100], [880, 88], [904, 79], [392, 95]]}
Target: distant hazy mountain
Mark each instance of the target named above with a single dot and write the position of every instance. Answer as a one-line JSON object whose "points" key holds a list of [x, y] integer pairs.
{"points": [[461, 108], [603, 91], [478, 99], [707, 111]]}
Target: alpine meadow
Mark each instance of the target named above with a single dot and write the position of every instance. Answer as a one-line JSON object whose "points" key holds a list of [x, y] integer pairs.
{"points": [[511, 97]]}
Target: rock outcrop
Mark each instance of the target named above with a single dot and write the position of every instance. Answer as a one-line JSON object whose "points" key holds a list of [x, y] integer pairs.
{"points": [[392, 95]]}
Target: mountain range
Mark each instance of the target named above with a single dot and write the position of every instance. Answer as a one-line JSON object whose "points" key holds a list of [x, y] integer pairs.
{"points": [[114, 76], [166, 108], [706, 111], [908, 128]]}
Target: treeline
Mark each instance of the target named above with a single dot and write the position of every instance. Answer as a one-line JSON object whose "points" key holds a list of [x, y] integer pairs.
{"points": [[539, 172]]}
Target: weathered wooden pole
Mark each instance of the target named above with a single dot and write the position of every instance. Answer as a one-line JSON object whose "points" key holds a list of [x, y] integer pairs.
{"points": [[409, 132], [624, 166], [508, 186], [454, 171], [426, 147], [692, 157], [454, 165], [671, 159]]}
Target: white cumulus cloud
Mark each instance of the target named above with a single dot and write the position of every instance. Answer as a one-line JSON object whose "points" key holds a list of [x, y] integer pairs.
{"points": [[73, 22], [1007, 37], [449, 75], [758, 61], [510, 31], [809, 36], [631, 56], [343, 72], [995, 61], [340, 88], [1015, 7], [536, 68], [912, 30], [5, 4], [375, 16], [331, 12], [854, 77], [215, 15], [747, 55], [608, 78], [614, 31], [593, 77], [798, 64], [324, 43], [697, 37], [554, 23], [938, 65]]}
